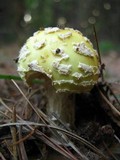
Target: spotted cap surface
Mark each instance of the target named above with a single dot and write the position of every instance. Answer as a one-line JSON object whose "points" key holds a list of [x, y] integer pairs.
{"points": [[64, 56]]}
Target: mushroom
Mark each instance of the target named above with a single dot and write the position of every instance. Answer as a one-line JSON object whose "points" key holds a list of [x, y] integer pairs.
{"points": [[68, 63]]}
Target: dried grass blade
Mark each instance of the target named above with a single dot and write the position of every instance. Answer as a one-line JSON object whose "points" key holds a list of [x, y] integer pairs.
{"points": [[114, 109], [98, 50], [70, 134], [45, 119], [55, 146], [113, 93], [2, 157], [14, 134], [44, 138], [38, 112], [22, 150]]}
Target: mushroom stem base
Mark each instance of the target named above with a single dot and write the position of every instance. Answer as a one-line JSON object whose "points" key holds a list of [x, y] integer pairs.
{"points": [[62, 105]]}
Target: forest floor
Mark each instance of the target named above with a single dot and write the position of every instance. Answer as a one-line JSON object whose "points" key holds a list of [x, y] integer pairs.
{"points": [[97, 119]]}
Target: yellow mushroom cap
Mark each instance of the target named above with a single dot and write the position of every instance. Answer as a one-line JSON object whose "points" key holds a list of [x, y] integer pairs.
{"points": [[65, 56]]}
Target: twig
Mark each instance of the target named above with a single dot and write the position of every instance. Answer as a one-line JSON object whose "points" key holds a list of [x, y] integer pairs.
{"points": [[98, 49], [22, 152], [2, 157], [38, 112], [44, 137], [116, 137], [113, 93], [115, 111], [14, 134], [44, 119], [5, 115], [109, 152], [80, 139], [26, 137]]}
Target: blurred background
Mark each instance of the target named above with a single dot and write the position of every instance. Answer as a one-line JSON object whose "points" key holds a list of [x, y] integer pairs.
{"points": [[20, 18]]}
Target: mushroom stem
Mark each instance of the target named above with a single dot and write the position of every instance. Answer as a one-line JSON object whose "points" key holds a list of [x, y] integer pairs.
{"points": [[62, 105]]}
